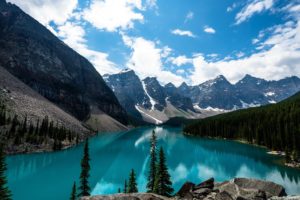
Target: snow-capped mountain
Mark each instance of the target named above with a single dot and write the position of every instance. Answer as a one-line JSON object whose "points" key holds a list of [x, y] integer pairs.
{"points": [[248, 92], [148, 100]]}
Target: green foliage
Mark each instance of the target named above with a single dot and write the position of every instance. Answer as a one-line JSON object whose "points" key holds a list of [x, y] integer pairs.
{"points": [[5, 193], [125, 187], [132, 186], [73, 193], [17, 132], [274, 126], [153, 160], [84, 187], [163, 184]]}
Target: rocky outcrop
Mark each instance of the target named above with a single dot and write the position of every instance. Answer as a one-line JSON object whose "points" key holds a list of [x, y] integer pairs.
{"points": [[235, 189]]}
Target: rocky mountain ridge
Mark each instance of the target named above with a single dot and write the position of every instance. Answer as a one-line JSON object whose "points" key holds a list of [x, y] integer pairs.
{"points": [[155, 103], [148, 99], [32, 54]]}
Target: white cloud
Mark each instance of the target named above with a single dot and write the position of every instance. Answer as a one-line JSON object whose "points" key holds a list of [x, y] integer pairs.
{"points": [[256, 6], [166, 51], [278, 56], [151, 4], [146, 60], [231, 8], [212, 55], [180, 60], [208, 29], [255, 41], [189, 16], [240, 54], [183, 33], [111, 15], [74, 35], [46, 11]]}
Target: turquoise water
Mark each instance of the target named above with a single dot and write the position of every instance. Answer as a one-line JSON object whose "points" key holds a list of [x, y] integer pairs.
{"points": [[49, 176]]}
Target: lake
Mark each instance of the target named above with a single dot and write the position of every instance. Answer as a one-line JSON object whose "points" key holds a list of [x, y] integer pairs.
{"points": [[50, 176]]}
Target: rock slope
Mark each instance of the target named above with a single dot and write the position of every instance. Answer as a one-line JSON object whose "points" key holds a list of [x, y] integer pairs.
{"points": [[147, 99], [34, 55]]}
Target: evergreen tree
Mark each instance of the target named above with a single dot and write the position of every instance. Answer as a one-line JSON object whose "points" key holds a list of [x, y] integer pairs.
{"points": [[73, 193], [275, 126], [125, 187], [132, 187], [85, 172], [153, 160], [163, 184], [5, 193], [14, 124]]}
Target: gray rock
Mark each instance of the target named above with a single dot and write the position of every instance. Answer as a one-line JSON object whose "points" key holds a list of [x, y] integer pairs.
{"points": [[203, 191], [206, 184], [271, 189], [186, 188], [223, 196]]}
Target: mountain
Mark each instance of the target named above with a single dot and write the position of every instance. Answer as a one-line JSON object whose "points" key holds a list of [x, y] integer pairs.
{"points": [[275, 126], [147, 99], [250, 91], [32, 54]]}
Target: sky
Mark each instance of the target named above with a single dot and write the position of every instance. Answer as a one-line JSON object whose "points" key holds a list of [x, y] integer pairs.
{"points": [[179, 40]]}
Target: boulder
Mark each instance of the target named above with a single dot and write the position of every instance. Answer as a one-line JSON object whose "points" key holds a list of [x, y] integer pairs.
{"points": [[271, 189], [206, 184], [186, 188], [223, 196], [202, 191], [229, 187], [188, 196]]}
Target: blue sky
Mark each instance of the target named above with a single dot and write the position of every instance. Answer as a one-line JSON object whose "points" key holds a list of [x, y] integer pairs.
{"points": [[179, 40]]}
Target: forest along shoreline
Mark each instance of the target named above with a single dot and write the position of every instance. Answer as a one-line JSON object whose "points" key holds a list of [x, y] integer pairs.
{"points": [[275, 127], [281, 154]]}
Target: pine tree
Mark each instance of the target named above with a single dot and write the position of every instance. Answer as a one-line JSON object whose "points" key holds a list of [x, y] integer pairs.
{"points": [[5, 193], [73, 193], [125, 187], [153, 160], [85, 172], [132, 187], [163, 184]]}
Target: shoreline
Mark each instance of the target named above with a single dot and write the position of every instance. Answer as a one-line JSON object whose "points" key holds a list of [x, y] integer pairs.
{"points": [[292, 164]]}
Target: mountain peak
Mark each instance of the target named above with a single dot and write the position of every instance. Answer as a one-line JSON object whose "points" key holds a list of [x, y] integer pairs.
{"points": [[183, 85], [170, 85], [220, 77], [148, 79], [249, 79], [126, 70]]}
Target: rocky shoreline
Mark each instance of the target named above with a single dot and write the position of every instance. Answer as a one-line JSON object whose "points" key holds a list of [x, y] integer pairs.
{"points": [[235, 189]]}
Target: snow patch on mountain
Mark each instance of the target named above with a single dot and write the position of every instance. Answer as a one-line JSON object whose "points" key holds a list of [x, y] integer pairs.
{"points": [[157, 121], [269, 94], [152, 101]]}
